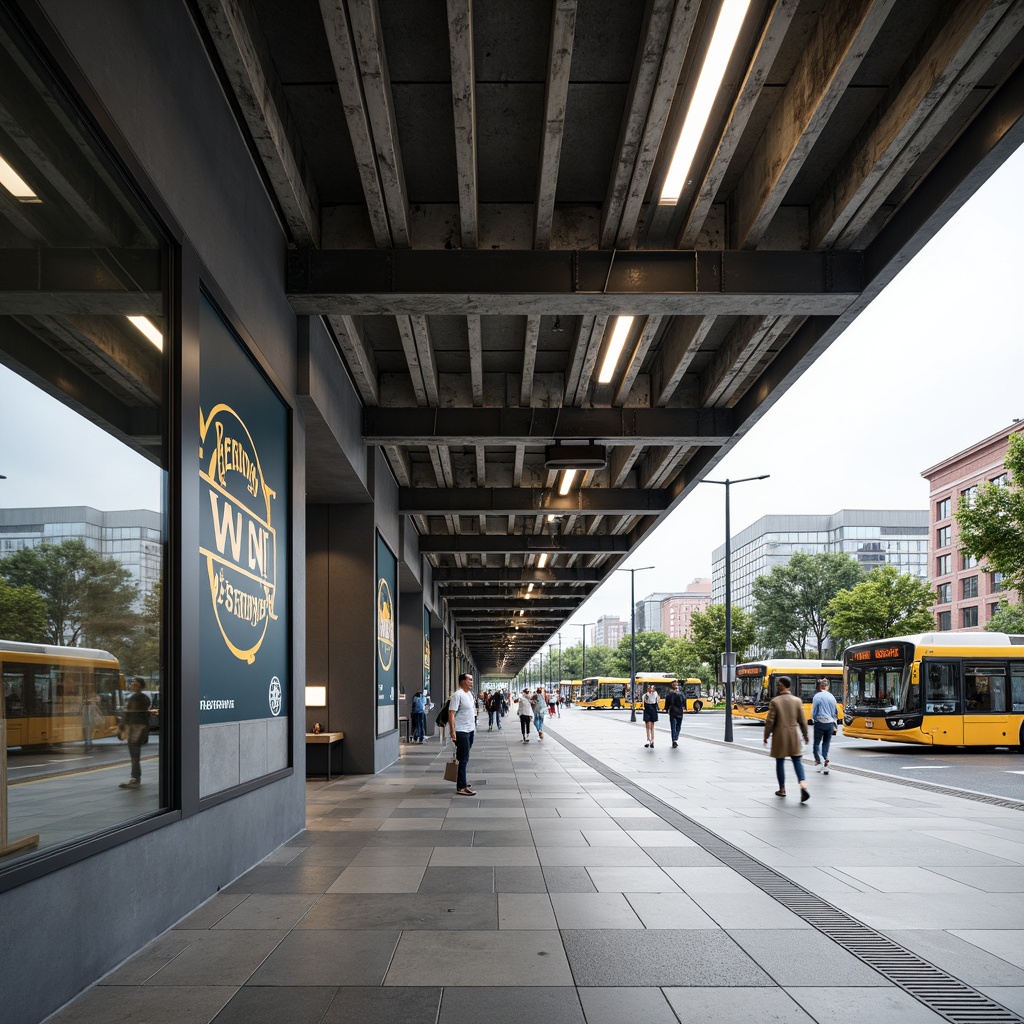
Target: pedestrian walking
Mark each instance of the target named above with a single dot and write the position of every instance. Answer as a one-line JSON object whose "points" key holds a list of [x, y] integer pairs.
{"points": [[418, 714], [525, 710], [539, 707], [502, 709], [825, 718], [650, 702], [462, 727], [785, 726], [134, 729], [675, 706]]}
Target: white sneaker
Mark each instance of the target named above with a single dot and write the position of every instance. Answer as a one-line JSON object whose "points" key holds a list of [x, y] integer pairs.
{"points": [[825, 769]]}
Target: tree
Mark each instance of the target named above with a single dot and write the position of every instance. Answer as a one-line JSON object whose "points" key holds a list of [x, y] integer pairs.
{"points": [[792, 599], [707, 633], [887, 603], [88, 597], [992, 526], [22, 614], [140, 653], [649, 653], [1009, 619], [681, 658]]}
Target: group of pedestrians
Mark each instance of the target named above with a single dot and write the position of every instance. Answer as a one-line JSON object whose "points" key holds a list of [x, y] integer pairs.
{"points": [[531, 709], [496, 704], [786, 728], [675, 706]]}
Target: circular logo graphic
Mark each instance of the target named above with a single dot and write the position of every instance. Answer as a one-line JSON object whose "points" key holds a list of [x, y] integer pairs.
{"points": [[275, 696], [385, 625]]}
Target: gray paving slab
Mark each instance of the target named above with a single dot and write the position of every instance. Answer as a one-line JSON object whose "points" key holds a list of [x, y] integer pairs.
{"points": [[736, 1005], [296, 1005], [804, 958], [568, 879], [276, 912], [966, 960], [615, 1005], [519, 879], [318, 957], [368, 911], [367, 1005], [438, 881], [511, 1005], [218, 958], [828, 1005], [580, 910], [197, 1004]]}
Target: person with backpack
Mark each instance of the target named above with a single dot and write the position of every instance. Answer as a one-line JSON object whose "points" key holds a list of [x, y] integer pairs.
{"points": [[462, 727], [539, 707], [418, 714]]}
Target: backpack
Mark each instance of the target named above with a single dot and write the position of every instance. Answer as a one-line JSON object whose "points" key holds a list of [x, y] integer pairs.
{"points": [[442, 715]]}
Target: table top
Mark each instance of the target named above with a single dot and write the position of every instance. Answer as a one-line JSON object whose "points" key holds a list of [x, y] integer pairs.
{"points": [[324, 737]]}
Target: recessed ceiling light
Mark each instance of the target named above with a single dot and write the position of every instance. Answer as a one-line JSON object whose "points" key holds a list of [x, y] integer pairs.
{"points": [[723, 42], [611, 358], [16, 184], [149, 329], [567, 478]]}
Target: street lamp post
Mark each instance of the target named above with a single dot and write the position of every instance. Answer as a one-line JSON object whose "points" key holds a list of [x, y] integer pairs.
{"points": [[632, 638], [583, 670], [728, 661]]}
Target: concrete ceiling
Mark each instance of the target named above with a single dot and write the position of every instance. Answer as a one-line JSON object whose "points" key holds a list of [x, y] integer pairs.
{"points": [[471, 188]]}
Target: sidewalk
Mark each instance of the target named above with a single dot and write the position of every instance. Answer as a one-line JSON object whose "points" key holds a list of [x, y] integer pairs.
{"points": [[573, 890]]}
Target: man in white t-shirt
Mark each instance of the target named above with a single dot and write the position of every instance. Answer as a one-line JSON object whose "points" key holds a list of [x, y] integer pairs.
{"points": [[462, 727]]}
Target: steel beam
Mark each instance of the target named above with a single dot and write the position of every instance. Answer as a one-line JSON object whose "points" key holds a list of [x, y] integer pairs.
{"points": [[439, 501], [448, 576], [421, 426], [508, 282], [488, 544]]}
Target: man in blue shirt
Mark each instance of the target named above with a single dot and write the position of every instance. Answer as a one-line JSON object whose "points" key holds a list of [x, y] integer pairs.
{"points": [[825, 716], [418, 712]]}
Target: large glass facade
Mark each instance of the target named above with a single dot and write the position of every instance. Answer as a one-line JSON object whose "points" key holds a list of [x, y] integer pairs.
{"points": [[83, 456]]}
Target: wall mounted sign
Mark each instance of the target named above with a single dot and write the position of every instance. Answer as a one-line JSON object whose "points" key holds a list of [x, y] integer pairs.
{"points": [[387, 639], [244, 476]]}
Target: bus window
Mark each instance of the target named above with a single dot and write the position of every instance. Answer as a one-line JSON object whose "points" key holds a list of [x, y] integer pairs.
{"points": [[14, 692], [985, 688], [1017, 688], [942, 687], [805, 688]]}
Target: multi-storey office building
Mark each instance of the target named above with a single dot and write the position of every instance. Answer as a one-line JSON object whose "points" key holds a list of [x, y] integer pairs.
{"points": [[608, 631], [872, 537], [968, 594]]}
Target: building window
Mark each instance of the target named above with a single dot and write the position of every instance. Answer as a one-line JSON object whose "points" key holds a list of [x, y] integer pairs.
{"points": [[943, 536], [942, 508], [993, 610], [969, 562], [943, 565], [944, 619], [969, 495], [969, 616], [944, 593], [1000, 481], [970, 587], [997, 582]]}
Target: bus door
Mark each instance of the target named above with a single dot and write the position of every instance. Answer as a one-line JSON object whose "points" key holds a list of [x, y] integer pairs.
{"points": [[985, 711], [16, 681], [943, 707]]}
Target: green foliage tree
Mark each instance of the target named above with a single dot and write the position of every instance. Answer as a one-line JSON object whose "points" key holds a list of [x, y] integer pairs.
{"points": [[793, 599], [992, 526], [88, 597], [887, 603], [649, 653], [707, 634], [681, 658], [22, 614], [1009, 619], [140, 652]]}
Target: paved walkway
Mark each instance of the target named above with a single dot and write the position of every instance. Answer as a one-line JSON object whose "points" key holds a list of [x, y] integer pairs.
{"points": [[588, 881]]}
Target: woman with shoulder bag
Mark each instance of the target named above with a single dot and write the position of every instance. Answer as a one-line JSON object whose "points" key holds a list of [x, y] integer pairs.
{"points": [[650, 701]]}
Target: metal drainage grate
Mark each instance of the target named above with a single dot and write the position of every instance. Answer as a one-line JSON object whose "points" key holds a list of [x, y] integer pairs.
{"points": [[941, 992]]}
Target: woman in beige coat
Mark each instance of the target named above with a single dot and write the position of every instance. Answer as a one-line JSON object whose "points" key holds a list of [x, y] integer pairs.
{"points": [[785, 725]]}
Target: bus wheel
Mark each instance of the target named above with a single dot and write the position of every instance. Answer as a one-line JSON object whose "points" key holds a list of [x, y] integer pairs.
{"points": [[697, 705]]}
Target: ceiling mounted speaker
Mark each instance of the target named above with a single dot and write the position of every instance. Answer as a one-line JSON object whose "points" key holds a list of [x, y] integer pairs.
{"points": [[575, 456]]}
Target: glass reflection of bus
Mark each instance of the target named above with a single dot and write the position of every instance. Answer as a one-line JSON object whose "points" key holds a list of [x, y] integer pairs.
{"points": [[47, 692], [944, 689], [600, 692], [570, 690], [755, 684]]}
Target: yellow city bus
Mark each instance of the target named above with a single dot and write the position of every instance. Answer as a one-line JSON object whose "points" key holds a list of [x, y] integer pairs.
{"points": [[755, 684], [601, 692], [944, 689], [49, 692], [570, 690]]}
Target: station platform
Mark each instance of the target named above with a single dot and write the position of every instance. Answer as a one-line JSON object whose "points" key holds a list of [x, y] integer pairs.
{"points": [[593, 880]]}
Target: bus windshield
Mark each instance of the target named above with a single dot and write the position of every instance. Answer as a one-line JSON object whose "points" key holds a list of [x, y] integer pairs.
{"points": [[878, 687]]}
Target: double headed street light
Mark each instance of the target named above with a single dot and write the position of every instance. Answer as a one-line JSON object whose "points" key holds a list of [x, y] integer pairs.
{"points": [[632, 638], [728, 658]]}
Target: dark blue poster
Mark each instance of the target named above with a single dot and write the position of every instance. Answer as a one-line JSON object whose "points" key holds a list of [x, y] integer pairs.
{"points": [[387, 639], [426, 651], [244, 483]]}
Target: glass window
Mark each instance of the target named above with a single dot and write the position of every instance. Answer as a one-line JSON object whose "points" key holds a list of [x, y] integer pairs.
{"points": [[997, 583], [1000, 481], [943, 565], [943, 536], [79, 369], [969, 586], [969, 616], [941, 687], [944, 620], [942, 508], [969, 562], [944, 593], [969, 495], [1017, 686], [993, 609], [985, 688]]}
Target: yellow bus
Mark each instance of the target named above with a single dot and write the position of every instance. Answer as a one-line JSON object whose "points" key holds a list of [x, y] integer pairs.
{"points": [[570, 690], [50, 693], [611, 692], [755, 684], [944, 689]]}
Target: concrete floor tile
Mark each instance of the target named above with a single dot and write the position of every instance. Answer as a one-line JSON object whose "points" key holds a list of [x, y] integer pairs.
{"points": [[370, 911], [219, 958], [318, 958], [384, 1006], [615, 1005], [294, 1005], [681, 856], [594, 856], [327, 854], [503, 837], [479, 856], [437, 881], [434, 839], [756, 910], [301, 878], [212, 911], [987, 879], [1011, 998], [563, 838], [397, 856], [511, 1005], [963, 959], [519, 879], [1007, 943], [606, 837], [905, 879], [196, 1004], [664, 837], [580, 910], [668, 910], [536, 957], [631, 879], [411, 824], [804, 958], [379, 879], [828, 1005], [270, 911], [737, 1005], [568, 879], [525, 911], [152, 958]]}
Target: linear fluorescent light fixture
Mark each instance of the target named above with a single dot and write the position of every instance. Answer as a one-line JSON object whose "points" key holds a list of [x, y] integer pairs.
{"points": [[575, 456], [543, 560], [620, 332], [568, 476], [723, 42], [149, 329], [16, 184]]}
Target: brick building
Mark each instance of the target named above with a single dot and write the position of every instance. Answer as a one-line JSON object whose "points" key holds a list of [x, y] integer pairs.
{"points": [[968, 594], [677, 610]]}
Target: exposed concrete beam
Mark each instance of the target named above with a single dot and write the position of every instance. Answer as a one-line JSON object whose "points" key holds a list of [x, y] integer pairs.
{"points": [[358, 358], [431, 544], [679, 345], [615, 426], [521, 576], [738, 355], [646, 282], [563, 28], [530, 341], [460, 43], [244, 55], [476, 358], [444, 500]]}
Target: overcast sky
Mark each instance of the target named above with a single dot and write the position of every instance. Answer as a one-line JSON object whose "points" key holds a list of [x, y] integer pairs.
{"points": [[935, 364]]}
